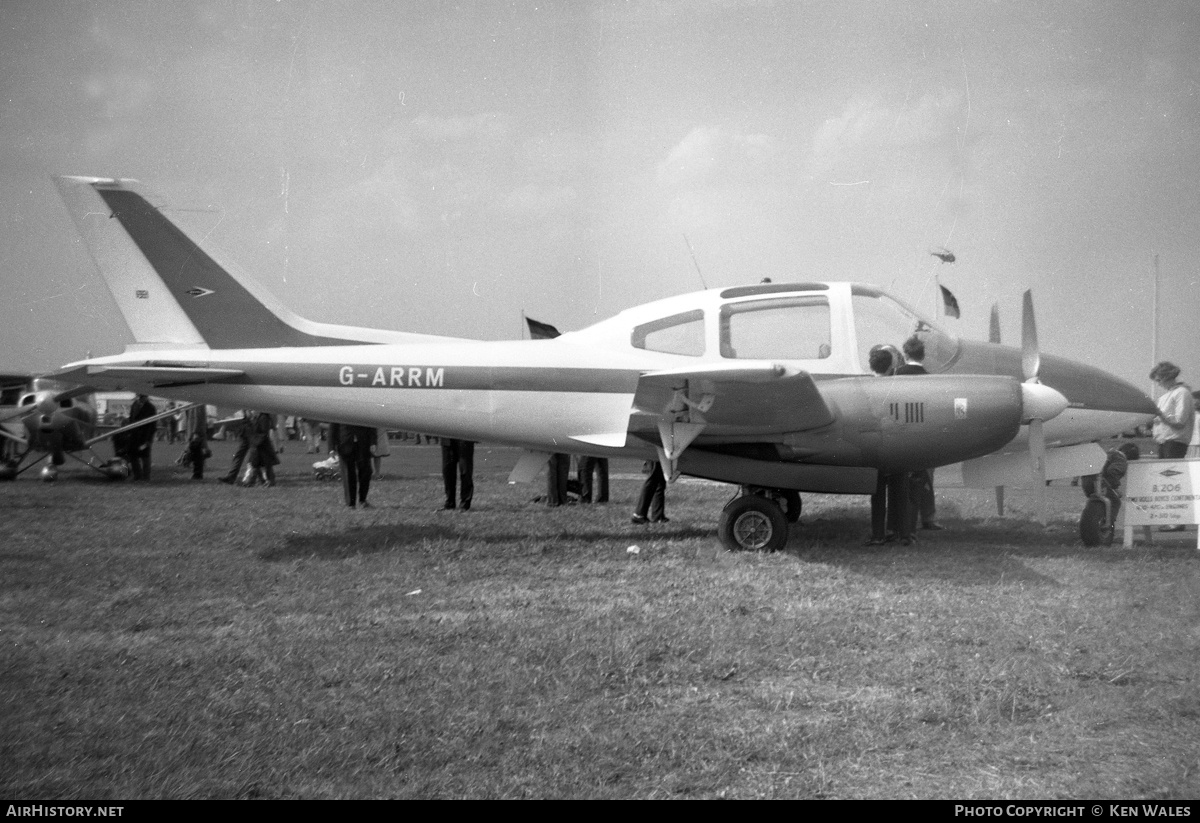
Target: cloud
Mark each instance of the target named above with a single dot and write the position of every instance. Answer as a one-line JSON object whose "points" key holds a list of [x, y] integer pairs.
{"points": [[380, 205], [715, 156], [867, 132]]}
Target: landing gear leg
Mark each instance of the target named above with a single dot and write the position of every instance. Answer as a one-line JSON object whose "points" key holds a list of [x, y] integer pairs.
{"points": [[786, 499], [752, 523]]}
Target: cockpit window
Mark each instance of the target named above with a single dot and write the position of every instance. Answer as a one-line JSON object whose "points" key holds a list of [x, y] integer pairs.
{"points": [[677, 334], [795, 328], [880, 318]]}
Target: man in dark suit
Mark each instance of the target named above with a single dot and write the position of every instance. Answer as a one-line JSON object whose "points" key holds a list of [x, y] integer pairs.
{"points": [[458, 461], [355, 445], [140, 438], [921, 500]]}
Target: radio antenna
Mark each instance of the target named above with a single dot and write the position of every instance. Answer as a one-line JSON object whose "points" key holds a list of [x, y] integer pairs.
{"points": [[694, 263]]}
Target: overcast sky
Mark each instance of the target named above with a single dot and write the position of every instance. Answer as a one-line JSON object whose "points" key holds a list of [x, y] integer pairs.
{"points": [[441, 167]]}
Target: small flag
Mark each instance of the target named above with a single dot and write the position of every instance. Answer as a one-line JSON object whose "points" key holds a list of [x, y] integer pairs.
{"points": [[541, 331], [949, 303]]}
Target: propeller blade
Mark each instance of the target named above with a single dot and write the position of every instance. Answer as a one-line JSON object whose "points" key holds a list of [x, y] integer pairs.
{"points": [[994, 324], [1031, 360]]}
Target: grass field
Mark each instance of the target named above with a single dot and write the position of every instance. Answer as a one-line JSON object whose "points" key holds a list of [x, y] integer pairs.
{"points": [[185, 640]]}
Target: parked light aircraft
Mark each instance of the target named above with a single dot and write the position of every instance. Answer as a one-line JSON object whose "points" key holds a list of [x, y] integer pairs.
{"points": [[763, 386], [59, 420]]}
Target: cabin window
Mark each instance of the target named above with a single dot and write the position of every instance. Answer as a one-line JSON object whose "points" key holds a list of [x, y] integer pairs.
{"points": [[677, 334], [796, 328], [880, 318]]}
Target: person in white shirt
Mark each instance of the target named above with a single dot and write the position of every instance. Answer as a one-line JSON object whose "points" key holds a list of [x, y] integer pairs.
{"points": [[1173, 425], [1194, 447]]}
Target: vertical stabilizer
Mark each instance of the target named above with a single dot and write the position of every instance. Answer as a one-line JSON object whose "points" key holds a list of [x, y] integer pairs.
{"points": [[150, 309], [170, 291]]}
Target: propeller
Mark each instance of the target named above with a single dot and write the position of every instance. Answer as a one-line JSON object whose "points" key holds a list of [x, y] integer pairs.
{"points": [[1039, 403], [46, 401], [1031, 360], [994, 324]]}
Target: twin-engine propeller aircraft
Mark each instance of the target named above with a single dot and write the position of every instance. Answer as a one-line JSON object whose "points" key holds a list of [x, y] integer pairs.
{"points": [[765, 386], [60, 420]]}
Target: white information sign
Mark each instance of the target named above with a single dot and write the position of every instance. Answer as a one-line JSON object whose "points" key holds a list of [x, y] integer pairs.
{"points": [[1161, 493]]}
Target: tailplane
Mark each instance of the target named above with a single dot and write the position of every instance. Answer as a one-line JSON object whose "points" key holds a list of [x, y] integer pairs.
{"points": [[172, 294]]}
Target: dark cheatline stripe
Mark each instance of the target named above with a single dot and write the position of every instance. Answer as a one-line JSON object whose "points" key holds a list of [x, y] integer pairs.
{"points": [[229, 317], [431, 377]]}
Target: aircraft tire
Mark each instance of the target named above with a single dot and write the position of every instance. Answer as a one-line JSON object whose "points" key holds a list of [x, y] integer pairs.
{"points": [[1094, 529], [752, 523]]}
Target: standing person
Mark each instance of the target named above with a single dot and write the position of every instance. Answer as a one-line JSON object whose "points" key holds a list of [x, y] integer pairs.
{"points": [[458, 457], [921, 499], [557, 479], [1172, 429], [239, 455], [652, 502], [593, 478], [141, 438], [1194, 446], [312, 433], [262, 455], [355, 446], [889, 503], [198, 451], [382, 450]]}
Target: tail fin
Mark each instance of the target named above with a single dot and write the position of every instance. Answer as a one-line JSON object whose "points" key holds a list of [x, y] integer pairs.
{"points": [[174, 295]]}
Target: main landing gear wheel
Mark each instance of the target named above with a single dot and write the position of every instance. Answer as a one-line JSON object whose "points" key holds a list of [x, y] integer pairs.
{"points": [[752, 523]]}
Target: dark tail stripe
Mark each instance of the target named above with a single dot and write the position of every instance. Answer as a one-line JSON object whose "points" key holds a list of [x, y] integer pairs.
{"points": [[227, 316]]}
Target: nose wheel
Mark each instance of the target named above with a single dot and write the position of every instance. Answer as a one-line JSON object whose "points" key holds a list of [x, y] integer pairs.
{"points": [[752, 523]]}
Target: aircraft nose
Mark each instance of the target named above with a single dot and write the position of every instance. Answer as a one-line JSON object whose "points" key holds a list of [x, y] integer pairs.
{"points": [[1040, 402], [46, 404]]}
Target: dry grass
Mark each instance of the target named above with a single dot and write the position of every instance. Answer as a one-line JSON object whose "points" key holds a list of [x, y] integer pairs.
{"points": [[180, 640]]}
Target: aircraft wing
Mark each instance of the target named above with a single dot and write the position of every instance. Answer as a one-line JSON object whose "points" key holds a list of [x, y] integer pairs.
{"points": [[16, 438], [735, 399], [138, 424], [724, 400]]}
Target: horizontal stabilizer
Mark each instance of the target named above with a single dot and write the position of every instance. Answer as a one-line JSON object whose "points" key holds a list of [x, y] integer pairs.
{"points": [[150, 376]]}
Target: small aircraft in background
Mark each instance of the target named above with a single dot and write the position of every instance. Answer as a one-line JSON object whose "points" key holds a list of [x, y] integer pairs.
{"points": [[766, 386], [59, 421]]}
